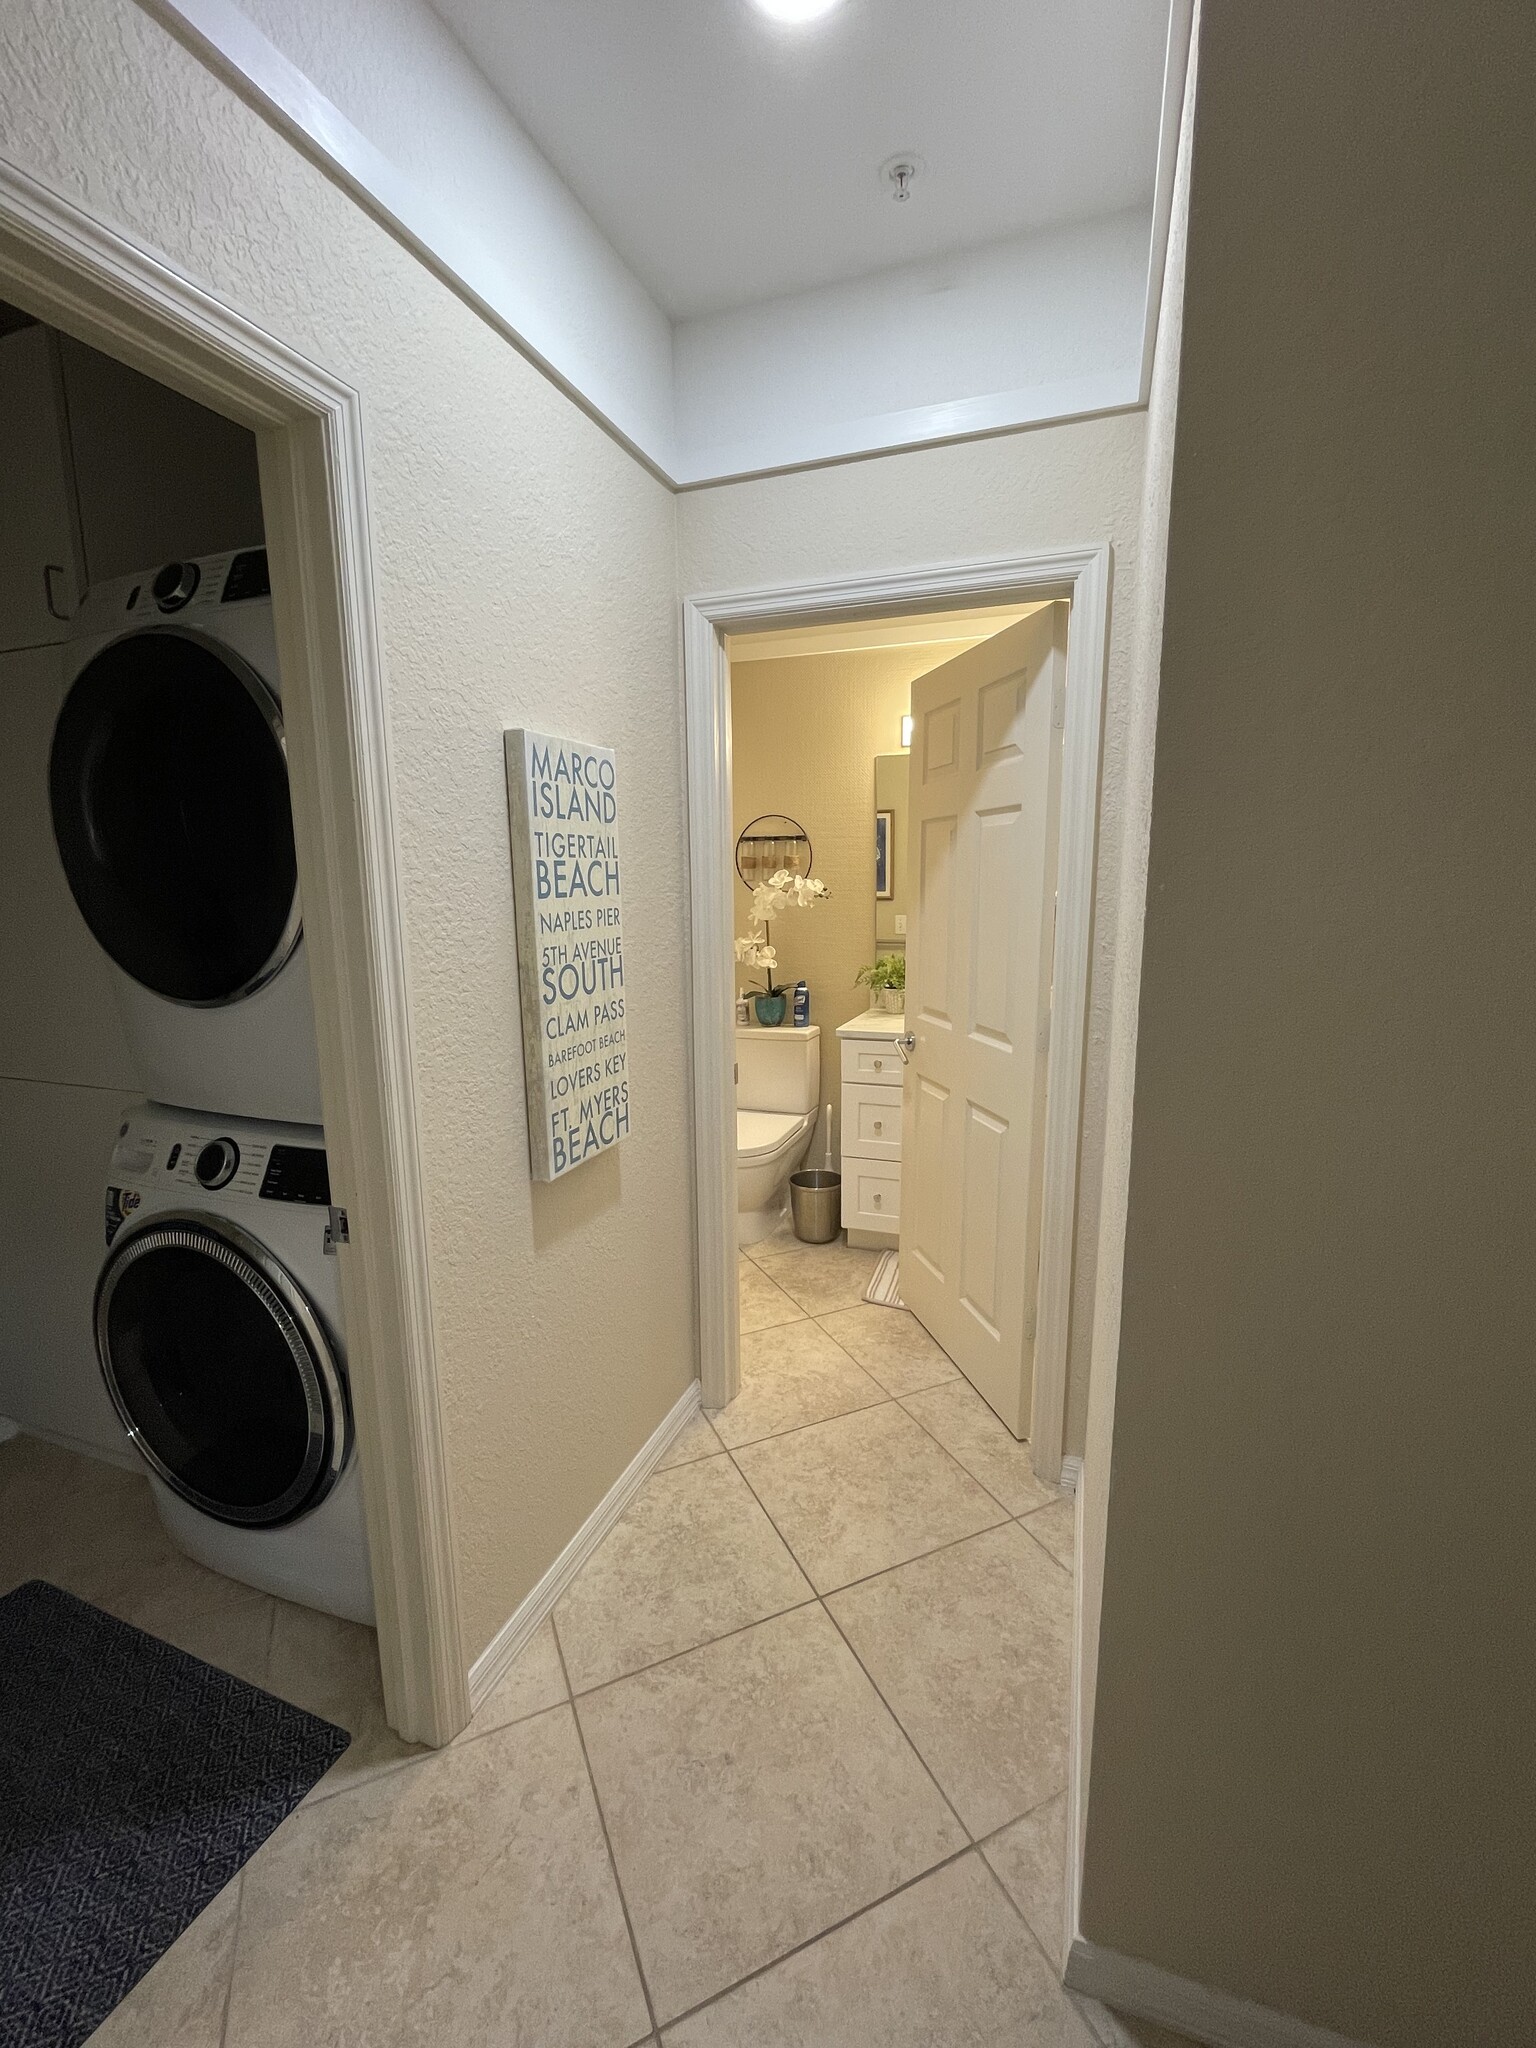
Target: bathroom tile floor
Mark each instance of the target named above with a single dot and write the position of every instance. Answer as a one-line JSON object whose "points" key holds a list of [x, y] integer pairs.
{"points": [[786, 1769]]}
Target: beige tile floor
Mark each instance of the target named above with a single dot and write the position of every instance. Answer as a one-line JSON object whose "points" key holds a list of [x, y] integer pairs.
{"points": [[785, 1770]]}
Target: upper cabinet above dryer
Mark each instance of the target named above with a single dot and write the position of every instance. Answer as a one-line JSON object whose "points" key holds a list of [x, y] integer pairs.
{"points": [[42, 569]]}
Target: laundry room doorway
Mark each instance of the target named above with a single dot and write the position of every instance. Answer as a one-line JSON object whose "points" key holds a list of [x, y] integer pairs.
{"points": [[327, 747]]}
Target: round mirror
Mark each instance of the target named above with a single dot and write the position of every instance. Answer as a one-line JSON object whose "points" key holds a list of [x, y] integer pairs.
{"points": [[770, 843]]}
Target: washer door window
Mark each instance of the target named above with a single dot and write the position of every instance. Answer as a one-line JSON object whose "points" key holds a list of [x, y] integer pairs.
{"points": [[171, 810], [222, 1372]]}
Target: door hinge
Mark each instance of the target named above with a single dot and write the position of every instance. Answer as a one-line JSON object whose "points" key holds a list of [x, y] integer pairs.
{"points": [[336, 1231]]}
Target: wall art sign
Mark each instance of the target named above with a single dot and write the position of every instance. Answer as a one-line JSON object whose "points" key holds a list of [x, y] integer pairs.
{"points": [[565, 813]]}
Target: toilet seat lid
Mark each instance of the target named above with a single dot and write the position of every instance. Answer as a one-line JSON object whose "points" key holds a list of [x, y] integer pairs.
{"points": [[759, 1131]]}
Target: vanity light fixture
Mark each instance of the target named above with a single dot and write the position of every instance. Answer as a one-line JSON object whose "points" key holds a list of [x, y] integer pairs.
{"points": [[906, 730], [795, 13]]}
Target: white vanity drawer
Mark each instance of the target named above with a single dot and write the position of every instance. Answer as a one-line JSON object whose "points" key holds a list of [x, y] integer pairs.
{"points": [[871, 1059], [871, 1194], [871, 1121]]}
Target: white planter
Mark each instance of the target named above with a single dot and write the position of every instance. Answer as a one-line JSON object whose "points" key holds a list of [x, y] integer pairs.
{"points": [[891, 999]]}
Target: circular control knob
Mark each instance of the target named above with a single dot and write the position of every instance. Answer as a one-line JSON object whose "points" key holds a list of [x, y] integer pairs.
{"points": [[174, 585], [216, 1162]]}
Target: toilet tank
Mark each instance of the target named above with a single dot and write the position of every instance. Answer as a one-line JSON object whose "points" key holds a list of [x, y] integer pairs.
{"points": [[778, 1069]]}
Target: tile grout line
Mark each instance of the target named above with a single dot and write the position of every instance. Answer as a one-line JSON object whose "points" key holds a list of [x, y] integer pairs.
{"points": [[1051, 1962], [234, 1955], [588, 1692], [794, 1429], [602, 1820], [859, 1661], [823, 1934], [917, 1557], [891, 1401], [808, 1317], [814, 1598], [901, 1402], [896, 1718], [1003, 1826], [1071, 1569]]}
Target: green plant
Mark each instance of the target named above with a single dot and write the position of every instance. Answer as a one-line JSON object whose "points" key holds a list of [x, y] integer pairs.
{"points": [[889, 971]]}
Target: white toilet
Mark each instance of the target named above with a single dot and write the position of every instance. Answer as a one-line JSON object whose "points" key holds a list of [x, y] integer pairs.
{"points": [[778, 1083]]}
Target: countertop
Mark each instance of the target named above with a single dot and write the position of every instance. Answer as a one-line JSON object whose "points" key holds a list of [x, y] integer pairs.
{"points": [[874, 1024]]}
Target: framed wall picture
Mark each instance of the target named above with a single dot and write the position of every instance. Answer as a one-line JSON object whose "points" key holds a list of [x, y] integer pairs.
{"points": [[885, 856]]}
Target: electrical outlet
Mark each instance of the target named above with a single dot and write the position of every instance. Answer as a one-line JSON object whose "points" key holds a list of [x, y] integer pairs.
{"points": [[901, 924]]}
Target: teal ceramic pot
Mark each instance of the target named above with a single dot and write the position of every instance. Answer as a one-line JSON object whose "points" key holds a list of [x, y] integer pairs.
{"points": [[770, 1009]]}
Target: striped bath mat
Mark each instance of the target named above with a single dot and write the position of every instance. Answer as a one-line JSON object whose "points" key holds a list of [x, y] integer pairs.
{"points": [[884, 1288]]}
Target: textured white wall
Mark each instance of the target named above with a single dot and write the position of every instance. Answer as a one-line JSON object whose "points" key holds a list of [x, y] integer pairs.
{"points": [[1040, 325], [525, 572], [1048, 487], [400, 76]]}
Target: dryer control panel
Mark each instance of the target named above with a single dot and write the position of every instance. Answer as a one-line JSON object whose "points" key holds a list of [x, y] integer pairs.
{"points": [[175, 588]]}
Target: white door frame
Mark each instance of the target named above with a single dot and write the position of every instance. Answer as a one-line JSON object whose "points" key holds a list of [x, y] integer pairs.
{"points": [[96, 283], [1081, 574]]}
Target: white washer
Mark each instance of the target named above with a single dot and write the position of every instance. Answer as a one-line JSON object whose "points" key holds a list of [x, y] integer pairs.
{"points": [[218, 1327], [168, 783]]}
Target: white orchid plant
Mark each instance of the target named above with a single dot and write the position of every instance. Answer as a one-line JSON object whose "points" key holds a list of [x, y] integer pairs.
{"points": [[782, 891]]}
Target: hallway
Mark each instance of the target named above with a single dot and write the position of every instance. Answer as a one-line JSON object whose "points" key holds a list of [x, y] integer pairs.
{"points": [[787, 1768]]}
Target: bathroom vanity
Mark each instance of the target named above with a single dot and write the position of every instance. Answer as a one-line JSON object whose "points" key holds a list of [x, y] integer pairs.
{"points": [[871, 1079]]}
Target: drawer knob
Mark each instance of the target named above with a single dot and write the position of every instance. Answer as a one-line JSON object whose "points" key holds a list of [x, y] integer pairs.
{"points": [[877, 1201], [878, 1125], [878, 1065]]}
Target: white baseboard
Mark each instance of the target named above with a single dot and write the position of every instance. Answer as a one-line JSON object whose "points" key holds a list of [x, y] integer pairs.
{"points": [[1218, 2017], [1071, 1475], [495, 1660]]}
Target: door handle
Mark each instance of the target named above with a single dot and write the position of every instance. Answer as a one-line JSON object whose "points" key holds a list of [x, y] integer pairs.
{"points": [[906, 1045]]}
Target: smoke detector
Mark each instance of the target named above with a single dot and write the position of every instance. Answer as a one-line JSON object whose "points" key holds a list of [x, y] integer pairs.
{"points": [[900, 172]]}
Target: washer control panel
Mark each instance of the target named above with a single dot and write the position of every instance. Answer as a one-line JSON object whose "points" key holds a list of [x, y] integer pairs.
{"points": [[202, 1157]]}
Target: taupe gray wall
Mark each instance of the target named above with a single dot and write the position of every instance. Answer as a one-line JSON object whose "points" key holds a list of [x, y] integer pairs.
{"points": [[525, 572], [1311, 1773]]}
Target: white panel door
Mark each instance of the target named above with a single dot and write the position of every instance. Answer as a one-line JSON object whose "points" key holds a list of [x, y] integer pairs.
{"points": [[986, 777]]}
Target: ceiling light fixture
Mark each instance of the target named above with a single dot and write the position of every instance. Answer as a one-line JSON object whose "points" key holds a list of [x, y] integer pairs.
{"points": [[795, 13]]}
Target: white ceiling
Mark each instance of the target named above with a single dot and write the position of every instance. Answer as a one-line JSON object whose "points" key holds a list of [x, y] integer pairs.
{"points": [[729, 160]]}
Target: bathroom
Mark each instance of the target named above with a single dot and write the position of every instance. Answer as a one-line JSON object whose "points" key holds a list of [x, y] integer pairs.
{"points": [[821, 733]]}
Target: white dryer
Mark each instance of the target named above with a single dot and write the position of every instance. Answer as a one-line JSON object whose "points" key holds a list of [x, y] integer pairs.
{"points": [[218, 1328], [168, 783]]}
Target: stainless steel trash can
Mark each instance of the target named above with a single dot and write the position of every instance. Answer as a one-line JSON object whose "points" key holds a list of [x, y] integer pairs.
{"points": [[815, 1203]]}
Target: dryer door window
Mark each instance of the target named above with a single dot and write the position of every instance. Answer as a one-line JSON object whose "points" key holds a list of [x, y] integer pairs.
{"points": [[170, 806], [221, 1371]]}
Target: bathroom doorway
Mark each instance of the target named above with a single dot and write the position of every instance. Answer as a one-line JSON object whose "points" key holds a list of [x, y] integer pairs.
{"points": [[794, 692]]}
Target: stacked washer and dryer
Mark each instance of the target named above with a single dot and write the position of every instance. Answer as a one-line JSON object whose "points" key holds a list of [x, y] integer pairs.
{"points": [[217, 1311]]}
